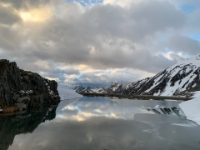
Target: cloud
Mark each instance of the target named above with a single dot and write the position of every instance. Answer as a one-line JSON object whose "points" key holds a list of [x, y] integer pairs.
{"points": [[44, 35], [124, 3], [106, 77], [8, 16], [10, 39], [61, 73], [19, 4], [184, 44], [82, 40]]}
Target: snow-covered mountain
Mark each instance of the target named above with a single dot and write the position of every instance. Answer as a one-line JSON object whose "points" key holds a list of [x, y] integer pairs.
{"points": [[179, 79], [81, 89]]}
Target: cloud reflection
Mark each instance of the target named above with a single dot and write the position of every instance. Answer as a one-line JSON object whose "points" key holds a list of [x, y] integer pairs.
{"points": [[85, 108]]}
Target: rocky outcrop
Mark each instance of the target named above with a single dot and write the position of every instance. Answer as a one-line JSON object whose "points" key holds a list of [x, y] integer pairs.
{"points": [[21, 89]]}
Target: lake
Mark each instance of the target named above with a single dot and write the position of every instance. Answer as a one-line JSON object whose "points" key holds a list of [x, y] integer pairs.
{"points": [[100, 123]]}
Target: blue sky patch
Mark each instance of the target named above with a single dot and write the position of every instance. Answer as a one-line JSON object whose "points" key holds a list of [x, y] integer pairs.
{"points": [[195, 36], [86, 2], [187, 8]]}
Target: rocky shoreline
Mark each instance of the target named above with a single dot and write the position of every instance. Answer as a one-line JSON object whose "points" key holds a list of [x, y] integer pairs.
{"points": [[21, 90]]}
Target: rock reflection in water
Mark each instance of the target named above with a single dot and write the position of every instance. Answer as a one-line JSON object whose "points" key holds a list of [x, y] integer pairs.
{"points": [[12, 125]]}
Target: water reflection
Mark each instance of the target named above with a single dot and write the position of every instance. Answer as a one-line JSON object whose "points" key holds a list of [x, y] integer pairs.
{"points": [[155, 106], [12, 125], [88, 107], [101, 124]]}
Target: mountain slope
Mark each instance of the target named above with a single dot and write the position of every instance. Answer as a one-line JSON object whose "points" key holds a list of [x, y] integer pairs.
{"points": [[191, 108], [179, 79]]}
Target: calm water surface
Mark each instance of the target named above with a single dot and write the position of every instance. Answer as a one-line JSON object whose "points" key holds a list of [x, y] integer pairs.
{"points": [[101, 124]]}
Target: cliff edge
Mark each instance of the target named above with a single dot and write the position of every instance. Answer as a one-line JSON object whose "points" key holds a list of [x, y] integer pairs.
{"points": [[21, 89]]}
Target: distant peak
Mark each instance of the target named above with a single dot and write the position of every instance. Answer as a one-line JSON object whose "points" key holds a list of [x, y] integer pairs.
{"points": [[195, 60], [197, 57]]}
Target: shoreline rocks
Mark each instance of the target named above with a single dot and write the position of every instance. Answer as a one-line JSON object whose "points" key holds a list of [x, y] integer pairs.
{"points": [[24, 89]]}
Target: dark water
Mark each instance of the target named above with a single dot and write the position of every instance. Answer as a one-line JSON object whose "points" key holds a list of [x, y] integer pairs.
{"points": [[100, 124]]}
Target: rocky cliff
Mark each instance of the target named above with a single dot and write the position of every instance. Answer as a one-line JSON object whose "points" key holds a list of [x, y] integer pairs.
{"points": [[20, 89]]}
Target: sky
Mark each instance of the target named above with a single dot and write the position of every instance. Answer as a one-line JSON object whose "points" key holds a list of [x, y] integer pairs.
{"points": [[97, 42]]}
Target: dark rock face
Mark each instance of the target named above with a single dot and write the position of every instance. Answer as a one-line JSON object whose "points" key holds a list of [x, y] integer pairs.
{"points": [[25, 88]]}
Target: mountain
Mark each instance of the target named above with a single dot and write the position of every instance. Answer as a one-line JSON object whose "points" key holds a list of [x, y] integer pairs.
{"points": [[81, 89], [180, 79]]}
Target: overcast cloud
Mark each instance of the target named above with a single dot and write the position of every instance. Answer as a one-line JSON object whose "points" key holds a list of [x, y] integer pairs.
{"points": [[112, 41]]}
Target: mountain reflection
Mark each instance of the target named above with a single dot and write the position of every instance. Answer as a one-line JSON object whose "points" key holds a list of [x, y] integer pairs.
{"points": [[12, 125]]}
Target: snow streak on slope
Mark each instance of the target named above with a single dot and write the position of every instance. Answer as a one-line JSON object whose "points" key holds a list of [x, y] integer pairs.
{"points": [[66, 93], [192, 108]]}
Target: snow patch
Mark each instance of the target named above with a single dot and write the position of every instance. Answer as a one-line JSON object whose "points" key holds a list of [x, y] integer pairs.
{"points": [[66, 93], [191, 108], [184, 125]]}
